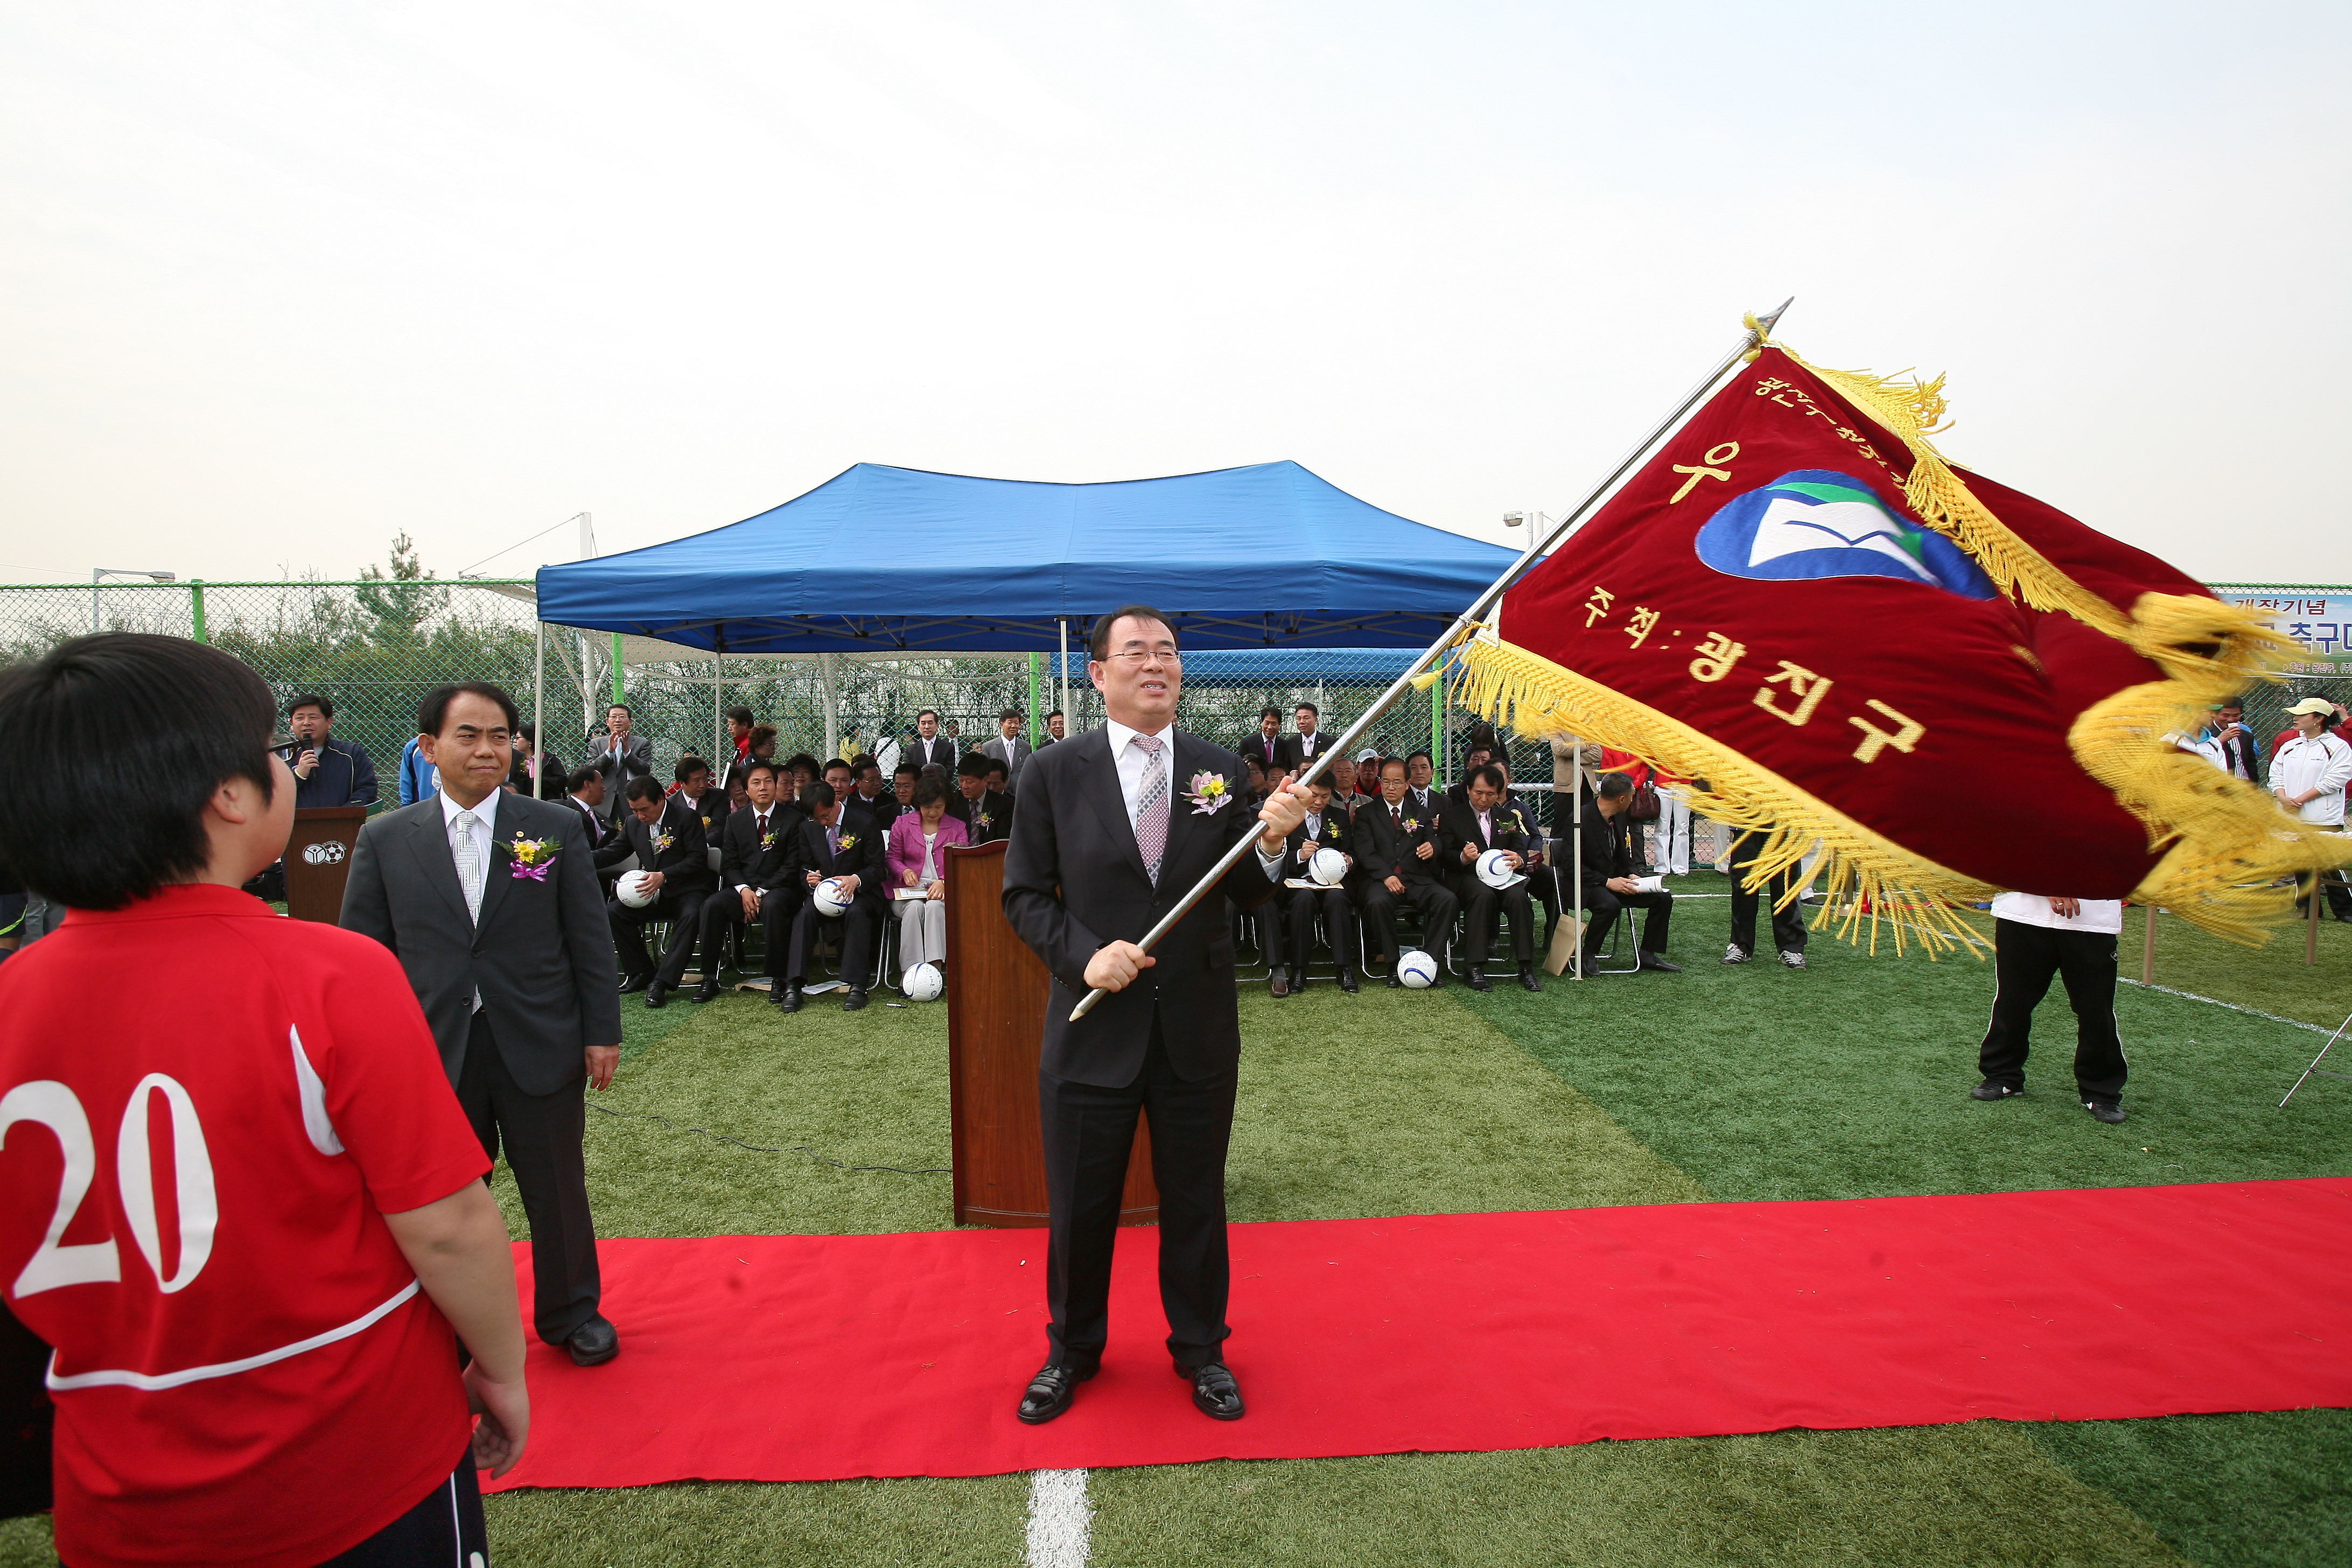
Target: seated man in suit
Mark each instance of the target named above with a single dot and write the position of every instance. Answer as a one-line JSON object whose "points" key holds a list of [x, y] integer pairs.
{"points": [[667, 836], [695, 786], [873, 796], [902, 786], [1264, 749], [757, 877], [1395, 844], [985, 813], [1420, 784], [1326, 827], [841, 841], [1467, 829], [585, 793], [1477, 753], [1609, 884]]}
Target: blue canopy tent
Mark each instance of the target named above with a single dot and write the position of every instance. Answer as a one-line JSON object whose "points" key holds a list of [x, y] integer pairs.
{"points": [[890, 561]]}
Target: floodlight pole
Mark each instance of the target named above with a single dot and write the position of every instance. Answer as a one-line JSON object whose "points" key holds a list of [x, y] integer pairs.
{"points": [[1748, 343]]}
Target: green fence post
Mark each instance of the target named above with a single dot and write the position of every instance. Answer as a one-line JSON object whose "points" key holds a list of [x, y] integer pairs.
{"points": [[1036, 725], [196, 607], [619, 692]]}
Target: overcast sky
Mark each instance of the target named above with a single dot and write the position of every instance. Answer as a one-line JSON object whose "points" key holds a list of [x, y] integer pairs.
{"points": [[279, 281]]}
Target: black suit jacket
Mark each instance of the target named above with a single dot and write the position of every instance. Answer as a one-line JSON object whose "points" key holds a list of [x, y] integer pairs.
{"points": [[1269, 753], [1075, 881], [1384, 847], [1290, 753], [1336, 834], [883, 808], [712, 811], [744, 864], [938, 751], [540, 954], [685, 864], [597, 829], [1608, 847], [1457, 824], [862, 859], [994, 805]]}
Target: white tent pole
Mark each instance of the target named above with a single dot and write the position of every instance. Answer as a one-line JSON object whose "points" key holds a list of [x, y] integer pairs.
{"points": [[717, 702], [1069, 724], [824, 673]]}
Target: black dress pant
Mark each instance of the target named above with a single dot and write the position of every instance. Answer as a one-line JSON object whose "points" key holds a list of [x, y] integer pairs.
{"points": [[1605, 904], [2025, 956], [1480, 904], [1089, 1132], [684, 913], [858, 926], [1300, 905], [722, 913], [1788, 924], [444, 1529], [541, 1133], [1436, 904]]}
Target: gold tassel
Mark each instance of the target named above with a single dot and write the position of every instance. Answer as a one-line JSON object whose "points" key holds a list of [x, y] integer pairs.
{"points": [[1914, 895]]}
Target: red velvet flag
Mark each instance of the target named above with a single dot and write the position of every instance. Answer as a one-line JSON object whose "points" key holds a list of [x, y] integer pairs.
{"points": [[1957, 689]]}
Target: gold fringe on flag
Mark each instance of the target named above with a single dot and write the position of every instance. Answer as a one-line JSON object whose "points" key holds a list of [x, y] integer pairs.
{"points": [[1868, 877]]}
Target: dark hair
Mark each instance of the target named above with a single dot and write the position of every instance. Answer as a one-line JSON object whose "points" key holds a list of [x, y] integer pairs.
{"points": [[934, 770], [1271, 711], [841, 763], [433, 711], [688, 766], [310, 700], [863, 761], [1387, 762], [975, 765], [1307, 708], [815, 795], [622, 706], [761, 734], [929, 792], [740, 716], [1614, 787], [644, 786], [1008, 713], [802, 760], [1053, 713], [1487, 773], [926, 712], [577, 779], [1098, 639], [1410, 757], [1252, 764], [762, 766], [905, 768], [528, 732], [149, 725]]}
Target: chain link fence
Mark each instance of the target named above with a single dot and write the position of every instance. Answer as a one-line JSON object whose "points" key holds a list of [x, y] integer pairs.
{"points": [[375, 646]]}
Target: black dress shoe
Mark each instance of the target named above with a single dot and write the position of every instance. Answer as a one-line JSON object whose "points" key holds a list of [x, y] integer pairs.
{"points": [[1298, 980], [634, 982], [706, 992], [1394, 984], [1347, 981], [855, 1000], [657, 994], [1476, 979], [1050, 1392], [1652, 961], [1279, 982], [1215, 1391], [1991, 1089], [2106, 1110], [1527, 977], [790, 1002], [593, 1343]]}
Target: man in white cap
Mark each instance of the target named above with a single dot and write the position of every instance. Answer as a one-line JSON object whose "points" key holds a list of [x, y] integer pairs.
{"points": [[2308, 775]]}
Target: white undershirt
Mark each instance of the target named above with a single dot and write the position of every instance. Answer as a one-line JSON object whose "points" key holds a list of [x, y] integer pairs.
{"points": [[1132, 759], [2033, 910], [485, 825]]}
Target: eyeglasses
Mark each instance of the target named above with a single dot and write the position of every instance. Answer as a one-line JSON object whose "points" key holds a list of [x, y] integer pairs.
{"points": [[1138, 656]]}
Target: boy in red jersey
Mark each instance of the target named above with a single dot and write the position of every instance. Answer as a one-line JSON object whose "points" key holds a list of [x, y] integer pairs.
{"points": [[237, 1199]]}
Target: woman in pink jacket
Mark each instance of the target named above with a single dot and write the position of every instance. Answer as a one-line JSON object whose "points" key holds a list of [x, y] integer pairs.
{"points": [[916, 858]]}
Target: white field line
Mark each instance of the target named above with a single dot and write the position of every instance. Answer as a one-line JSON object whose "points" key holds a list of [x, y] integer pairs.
{"points": [[2232, 1007], [1060, 1520]]}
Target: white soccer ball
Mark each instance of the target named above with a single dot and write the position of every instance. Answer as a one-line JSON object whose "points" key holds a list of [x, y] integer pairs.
{"points": [[923, 983], [829, 897], [1495, 868], [1417, 970], [631, 889], [1327, 866]]}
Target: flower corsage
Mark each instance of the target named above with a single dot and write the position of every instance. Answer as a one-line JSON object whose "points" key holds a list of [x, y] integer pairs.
{"points": [[848, 842], [663, 840], [531, 857], [1209, 794]]}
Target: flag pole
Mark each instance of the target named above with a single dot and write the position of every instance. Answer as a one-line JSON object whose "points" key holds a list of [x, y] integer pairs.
{"points": [[1748, 343]]}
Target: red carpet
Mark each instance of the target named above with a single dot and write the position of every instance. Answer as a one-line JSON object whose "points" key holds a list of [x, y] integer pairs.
{"points": [[818, 1358]]}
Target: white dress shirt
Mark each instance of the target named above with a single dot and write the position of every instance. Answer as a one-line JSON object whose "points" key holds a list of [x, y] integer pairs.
{"points": [[486, 823], [2321, 762], [2104, 915], [1132, 759]]}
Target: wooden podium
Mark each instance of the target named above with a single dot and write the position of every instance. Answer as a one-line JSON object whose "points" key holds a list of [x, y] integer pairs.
{"points": [[997, 997], [318, 858]]}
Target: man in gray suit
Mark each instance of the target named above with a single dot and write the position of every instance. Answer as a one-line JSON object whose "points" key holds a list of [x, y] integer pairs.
{"points": [[620, 754], [490, 902], [1009, 747]]}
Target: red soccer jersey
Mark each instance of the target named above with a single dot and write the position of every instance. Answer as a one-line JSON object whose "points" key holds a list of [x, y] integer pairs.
{"points": [[205, 1112]]}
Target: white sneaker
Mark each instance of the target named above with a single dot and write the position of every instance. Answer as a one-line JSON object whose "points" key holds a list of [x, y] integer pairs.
{"points": [[1793, 960], [1734, 953]]}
